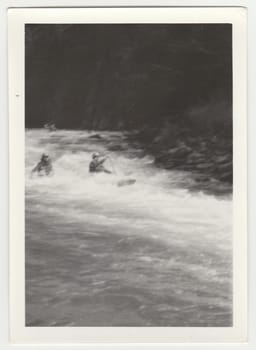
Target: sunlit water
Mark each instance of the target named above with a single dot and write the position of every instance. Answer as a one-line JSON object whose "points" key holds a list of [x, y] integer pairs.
{"points": [[149, 254]]}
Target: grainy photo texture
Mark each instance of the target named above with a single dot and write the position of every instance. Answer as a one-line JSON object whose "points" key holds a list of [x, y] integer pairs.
{"points": [[128, 175]]}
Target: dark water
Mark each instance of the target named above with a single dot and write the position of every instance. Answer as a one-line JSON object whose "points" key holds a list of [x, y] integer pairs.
{"points": [[150, 254]]}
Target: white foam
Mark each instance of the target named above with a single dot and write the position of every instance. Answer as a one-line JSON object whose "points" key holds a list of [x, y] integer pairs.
{"points": [[154, 205]]}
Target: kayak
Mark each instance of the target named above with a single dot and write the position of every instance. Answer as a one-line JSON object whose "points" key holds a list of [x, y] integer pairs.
{"points": [[126, 182]]}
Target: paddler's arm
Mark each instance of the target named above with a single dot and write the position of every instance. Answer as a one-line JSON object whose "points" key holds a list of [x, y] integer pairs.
{"points": [[35, 168], [102, 160]]}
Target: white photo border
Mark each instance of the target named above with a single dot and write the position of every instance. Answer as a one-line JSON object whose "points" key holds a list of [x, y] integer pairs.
{"points": [[17, 18]]}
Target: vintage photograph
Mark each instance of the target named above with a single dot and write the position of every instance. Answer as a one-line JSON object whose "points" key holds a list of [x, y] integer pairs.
{"points": [[128, 175]]}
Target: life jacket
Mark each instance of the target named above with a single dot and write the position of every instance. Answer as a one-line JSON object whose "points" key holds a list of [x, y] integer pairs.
{"points": [[45, 165], [95, 166]]}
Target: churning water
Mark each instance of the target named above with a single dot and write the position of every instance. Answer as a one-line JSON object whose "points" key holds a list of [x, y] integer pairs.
{"points": [[149, 254]]}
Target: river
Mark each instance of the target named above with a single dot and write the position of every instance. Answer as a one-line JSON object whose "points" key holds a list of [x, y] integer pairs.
{"points": [[149, 254]]}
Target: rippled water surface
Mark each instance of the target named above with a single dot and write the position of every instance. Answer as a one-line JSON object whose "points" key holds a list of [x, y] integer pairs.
{"points": [[150, 254]]}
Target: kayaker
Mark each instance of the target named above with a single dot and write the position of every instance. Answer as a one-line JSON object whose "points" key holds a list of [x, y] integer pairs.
{"points": [[96, 164], [50, 127], [44, 165]]}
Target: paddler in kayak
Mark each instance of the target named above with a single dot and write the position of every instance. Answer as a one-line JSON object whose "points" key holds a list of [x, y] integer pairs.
{"points": [[44, 166], [96, 164], [50, 127]]}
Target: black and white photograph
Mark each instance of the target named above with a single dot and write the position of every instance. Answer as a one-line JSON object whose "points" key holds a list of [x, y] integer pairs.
{"points": [[129, 172]]}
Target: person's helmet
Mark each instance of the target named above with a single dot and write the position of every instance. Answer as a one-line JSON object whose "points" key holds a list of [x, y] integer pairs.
{"points": [[44, 156], [95, 155]]}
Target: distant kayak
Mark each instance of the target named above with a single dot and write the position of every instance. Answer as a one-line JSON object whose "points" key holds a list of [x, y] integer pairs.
{"points": [[50, 127]]}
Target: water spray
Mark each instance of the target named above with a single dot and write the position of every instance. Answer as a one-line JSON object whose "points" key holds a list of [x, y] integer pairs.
{"points": [[112, 165]]}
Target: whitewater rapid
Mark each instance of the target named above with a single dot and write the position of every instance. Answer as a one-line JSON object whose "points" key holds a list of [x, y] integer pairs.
{"points": [[149, 254]]}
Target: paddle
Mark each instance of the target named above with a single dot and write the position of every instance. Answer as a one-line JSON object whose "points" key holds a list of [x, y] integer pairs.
{"points": [[112, 165], [123, 182]]}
